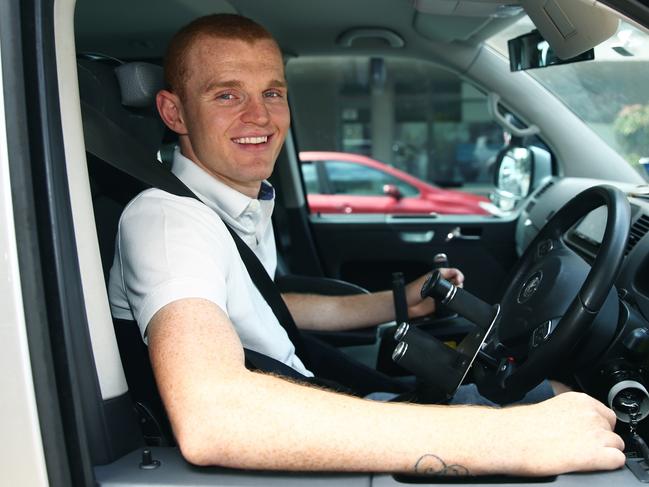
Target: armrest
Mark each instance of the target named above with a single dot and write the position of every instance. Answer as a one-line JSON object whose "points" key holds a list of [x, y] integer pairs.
{"points": [[293, 283]]}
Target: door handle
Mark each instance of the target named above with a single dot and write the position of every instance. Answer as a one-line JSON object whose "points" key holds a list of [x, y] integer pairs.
{"points": [[456, 234]]}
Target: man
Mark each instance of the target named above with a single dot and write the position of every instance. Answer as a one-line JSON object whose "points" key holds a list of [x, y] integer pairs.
{"points": [[179, 275]]}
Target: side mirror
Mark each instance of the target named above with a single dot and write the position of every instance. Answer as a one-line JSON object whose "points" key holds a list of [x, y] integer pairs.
{"points": [[392, 191], [518, 170]]}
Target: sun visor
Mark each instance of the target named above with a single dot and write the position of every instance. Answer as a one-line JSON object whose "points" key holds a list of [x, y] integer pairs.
{"points": [[460, 20], [571, 27]]}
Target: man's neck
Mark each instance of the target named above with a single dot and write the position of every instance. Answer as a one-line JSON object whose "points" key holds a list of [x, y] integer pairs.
{"points": [[249, 189]]}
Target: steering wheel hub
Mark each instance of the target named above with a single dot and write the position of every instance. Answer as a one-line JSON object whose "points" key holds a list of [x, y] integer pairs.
{"points": [[530, 286]]}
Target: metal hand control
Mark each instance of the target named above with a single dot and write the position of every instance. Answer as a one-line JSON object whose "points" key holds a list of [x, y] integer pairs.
{"points": [[459, 300]]}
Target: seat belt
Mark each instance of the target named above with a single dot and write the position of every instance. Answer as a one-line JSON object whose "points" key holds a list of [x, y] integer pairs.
{"points": [[128, 158], [271, 294]]}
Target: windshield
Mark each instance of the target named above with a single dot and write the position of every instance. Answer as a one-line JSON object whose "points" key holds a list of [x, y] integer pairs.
{"points": [[609, 93]]}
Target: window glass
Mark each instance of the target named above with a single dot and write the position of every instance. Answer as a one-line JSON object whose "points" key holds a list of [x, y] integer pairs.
{"points": [[350, 178], [310, 177], [605, 93], [406, 114]]}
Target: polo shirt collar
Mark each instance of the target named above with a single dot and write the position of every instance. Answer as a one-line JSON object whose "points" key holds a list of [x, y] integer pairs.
{"points": [[248, 216]]}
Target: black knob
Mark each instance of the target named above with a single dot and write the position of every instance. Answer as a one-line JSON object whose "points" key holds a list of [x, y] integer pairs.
{"points": [[440, 261], [148, 462], [436, 287], [637, 343]]}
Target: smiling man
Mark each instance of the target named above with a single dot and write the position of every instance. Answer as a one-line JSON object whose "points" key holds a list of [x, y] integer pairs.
{"points": [[178, 273]]}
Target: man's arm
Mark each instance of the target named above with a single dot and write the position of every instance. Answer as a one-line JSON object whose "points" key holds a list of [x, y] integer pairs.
{"points": [[223, 414], [337, 313]]}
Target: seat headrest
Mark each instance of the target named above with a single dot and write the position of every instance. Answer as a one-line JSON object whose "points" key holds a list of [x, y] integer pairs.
{"points": [[139, 82], [102, 94]]}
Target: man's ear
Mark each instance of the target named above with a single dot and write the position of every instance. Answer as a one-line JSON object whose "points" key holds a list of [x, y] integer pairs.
{"points": [[171, 111]]}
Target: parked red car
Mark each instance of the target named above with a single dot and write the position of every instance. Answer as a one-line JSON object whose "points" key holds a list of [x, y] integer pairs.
{"points": [[340, 182]]}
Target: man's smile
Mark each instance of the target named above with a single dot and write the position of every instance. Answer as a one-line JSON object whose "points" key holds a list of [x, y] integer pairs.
{"points": [[255, 140], [253, 143]]}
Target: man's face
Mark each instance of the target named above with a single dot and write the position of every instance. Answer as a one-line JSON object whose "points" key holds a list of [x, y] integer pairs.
{"points": [[235, 110]]}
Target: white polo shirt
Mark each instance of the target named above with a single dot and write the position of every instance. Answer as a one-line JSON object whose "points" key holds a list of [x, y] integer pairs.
{"points": [[170, 247]]}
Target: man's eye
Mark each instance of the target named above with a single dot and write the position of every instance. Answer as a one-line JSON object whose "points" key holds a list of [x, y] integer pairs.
{"points": [[273, 94], [225, 96]]}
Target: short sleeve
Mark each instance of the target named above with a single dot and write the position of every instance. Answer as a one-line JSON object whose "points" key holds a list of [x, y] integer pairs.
{"points": [[171, 248]]}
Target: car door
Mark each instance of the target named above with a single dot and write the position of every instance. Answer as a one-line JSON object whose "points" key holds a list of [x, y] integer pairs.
{"points": [[420, 119]]}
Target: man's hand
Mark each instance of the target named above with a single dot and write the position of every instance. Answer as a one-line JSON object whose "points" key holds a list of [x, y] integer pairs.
{"points": [[568, 433], [421, 307]]}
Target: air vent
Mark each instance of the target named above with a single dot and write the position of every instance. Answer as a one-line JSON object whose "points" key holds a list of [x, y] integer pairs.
{"points": [[638, 230], [530, 205], [543, 189]]}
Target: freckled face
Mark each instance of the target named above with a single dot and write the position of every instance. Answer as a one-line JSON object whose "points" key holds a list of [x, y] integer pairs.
{"points": [[235, 110]]}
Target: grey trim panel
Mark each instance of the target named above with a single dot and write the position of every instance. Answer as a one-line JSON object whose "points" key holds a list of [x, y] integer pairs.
{"points": [[174, 471]]}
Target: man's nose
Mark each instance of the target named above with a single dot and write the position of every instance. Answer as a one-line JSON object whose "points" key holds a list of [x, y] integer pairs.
{"points": [[256, 111]]}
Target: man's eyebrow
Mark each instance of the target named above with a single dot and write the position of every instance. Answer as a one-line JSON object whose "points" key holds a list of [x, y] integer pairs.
{"points": [[215, 85], [219, 84], [277, 83]]}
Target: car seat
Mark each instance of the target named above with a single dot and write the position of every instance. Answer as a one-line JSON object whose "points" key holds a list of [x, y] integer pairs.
{"points": [[118, 122]]}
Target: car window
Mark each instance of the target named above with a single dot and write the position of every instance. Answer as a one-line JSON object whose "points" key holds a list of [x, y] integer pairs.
{"points": [[605, 93], [350, 178], [310, 176], [404, 113]]}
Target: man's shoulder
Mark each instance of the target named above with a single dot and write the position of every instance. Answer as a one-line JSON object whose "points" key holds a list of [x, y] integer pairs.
{"points": [[157, 205], [154, 200]]}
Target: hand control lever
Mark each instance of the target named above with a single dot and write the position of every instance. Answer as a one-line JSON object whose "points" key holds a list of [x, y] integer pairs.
{"points": [[457, 299], [440, 261], [429, 358]]}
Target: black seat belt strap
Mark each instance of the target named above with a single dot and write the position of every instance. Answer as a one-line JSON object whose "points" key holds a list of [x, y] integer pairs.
{"points": [[269, 291]]}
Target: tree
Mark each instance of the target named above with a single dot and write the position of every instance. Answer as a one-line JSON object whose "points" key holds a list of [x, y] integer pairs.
{"points": [[631, 129]]}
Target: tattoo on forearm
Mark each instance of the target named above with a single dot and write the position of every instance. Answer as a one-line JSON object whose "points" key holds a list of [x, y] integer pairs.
{"points": [[434, 465]]}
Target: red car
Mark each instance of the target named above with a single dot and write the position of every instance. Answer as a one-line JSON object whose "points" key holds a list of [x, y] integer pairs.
{"points": [[340, 182]]}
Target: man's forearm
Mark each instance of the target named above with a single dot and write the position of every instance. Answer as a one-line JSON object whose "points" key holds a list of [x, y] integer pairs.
{"points": [[271, 424], [338, 313]]}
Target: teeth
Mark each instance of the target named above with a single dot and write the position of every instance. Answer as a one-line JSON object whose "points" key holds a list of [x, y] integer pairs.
{"points": [[251, 140]]}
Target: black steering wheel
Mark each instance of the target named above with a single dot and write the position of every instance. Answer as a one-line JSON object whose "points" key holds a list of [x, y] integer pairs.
{"points": [[544, 312]]}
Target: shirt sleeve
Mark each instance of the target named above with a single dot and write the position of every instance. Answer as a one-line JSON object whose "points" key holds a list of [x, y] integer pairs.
{"points": [[172, 248]]}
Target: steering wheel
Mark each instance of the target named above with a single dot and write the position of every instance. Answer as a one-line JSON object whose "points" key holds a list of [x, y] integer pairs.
{"points": [[544, 312]]}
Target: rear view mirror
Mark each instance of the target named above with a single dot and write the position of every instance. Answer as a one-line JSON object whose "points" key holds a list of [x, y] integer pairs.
{"points": [[531, 51]]}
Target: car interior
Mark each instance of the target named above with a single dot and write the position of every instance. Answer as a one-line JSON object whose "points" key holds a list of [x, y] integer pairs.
{"points": [[556, 263]]}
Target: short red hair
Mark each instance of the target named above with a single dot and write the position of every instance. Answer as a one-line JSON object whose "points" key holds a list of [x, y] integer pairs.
{"points": [[216, 26]]}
